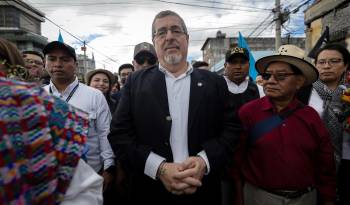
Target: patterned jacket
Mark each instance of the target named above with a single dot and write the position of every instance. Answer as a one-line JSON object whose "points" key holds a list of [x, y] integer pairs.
{"points": [[41, 142]]}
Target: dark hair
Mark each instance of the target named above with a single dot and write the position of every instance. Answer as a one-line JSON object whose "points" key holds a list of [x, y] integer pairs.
{"points": [[10, 53], [336, 47], [125, 66], [166, 13], [37, 53], [198, 64], [14, 63]]}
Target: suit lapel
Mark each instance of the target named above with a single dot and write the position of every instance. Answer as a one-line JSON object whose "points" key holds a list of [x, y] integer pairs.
{"points": [[158, 86], [196, 94]]}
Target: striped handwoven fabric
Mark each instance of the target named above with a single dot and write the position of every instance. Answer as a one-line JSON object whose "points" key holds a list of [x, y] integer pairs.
{"points": [[41, 141]]}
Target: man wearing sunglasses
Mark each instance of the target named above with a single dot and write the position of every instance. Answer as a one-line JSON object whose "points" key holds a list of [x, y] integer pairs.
{"points": [[288, 156], [144, 56]]}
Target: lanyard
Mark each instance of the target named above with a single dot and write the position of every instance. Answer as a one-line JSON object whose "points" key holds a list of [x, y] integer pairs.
{"points": [[70, 94]]}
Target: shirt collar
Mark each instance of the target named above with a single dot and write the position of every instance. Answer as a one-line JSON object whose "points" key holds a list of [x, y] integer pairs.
{"points": [[267, 104], [69, 88], [239, 88], [167, 73]]}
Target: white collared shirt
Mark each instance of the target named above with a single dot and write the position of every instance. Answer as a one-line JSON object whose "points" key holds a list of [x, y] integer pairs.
{"points": [[236, 89], [241, 88], [178, 90], [93, 102]]}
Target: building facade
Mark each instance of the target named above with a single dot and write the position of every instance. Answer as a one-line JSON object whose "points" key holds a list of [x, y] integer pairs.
{"points": [[214, 49], [332, 13], [21, 24], [85, 65]]}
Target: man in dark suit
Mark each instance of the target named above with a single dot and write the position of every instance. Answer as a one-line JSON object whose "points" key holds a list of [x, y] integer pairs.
{"points": [[171, 131]]}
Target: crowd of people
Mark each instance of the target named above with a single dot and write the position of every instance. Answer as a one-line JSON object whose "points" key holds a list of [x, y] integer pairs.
{"points": [[169, 132]]}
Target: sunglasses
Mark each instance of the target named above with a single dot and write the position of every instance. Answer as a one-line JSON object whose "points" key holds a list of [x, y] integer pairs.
{"points": [[141, 59], [276, 76]]}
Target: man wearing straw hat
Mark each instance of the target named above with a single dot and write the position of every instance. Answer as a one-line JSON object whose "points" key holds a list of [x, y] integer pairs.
{"points": [[288, 157]]}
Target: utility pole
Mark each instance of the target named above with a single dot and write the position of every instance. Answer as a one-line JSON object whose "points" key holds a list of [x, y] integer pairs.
{"points": [[84, 62], [277, 11]]}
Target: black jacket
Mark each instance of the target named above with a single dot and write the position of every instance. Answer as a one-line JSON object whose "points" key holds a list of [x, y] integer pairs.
{"points": [[141, 124]]}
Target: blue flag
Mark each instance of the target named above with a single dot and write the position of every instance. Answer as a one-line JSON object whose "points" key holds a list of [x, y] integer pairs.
{"points": [[243, 44], [60, 38]]}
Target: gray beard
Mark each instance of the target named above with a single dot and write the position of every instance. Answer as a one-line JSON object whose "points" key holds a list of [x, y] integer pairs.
{"points": [[172, 59]]}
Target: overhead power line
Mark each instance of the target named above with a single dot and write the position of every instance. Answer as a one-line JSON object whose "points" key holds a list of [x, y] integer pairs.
{"points": [[203, 6], [218, 2], [74, 36], [163, 1], [262, 23]]}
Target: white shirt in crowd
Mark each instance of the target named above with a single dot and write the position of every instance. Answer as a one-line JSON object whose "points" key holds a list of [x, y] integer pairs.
{"points": [[93, 102], [316, 102], [178, 89], [85, 187], [236, 89]]}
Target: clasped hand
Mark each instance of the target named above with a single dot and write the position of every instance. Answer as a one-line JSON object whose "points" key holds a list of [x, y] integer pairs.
{"points": [[183, 178]]}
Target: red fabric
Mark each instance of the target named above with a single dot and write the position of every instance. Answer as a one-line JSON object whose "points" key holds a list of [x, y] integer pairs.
{"points": [[293, 156]]}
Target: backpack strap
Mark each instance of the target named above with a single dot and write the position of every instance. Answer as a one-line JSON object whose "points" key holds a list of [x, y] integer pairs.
{"points": [[265, 126]]}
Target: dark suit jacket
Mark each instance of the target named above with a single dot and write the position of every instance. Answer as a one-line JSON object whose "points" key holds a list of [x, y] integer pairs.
{"points": [[141, 124]]}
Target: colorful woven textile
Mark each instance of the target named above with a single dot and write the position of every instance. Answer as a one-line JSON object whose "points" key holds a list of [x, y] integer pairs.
{"points": [[41, 142]]}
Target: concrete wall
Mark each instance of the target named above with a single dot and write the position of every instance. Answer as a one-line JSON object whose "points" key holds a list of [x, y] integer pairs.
{"points": [[331, 13]]}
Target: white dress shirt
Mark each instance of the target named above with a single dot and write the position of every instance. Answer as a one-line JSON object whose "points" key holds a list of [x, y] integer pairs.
{"points": [[93, 102], [241, 88], [178, 90], [85, 187]]}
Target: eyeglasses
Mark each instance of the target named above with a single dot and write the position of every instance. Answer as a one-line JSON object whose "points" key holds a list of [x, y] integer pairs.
{"points": [[276, 76], [141, 59], [174, 30], [331, 62], [35, 62]]}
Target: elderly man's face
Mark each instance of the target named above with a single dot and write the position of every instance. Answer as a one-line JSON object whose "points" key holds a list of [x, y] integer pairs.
{"points": [[170, 41], [283, 83]]}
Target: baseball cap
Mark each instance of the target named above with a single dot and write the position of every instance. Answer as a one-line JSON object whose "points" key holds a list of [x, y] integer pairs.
{"points": [[59, 45], [144, 47], [236, 51]]}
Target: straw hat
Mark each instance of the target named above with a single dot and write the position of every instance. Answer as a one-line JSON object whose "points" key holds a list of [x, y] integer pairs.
{"points": [[293, 55]]}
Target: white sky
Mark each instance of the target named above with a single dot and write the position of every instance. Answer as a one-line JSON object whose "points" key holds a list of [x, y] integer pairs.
{"points": [[113, 27]]}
